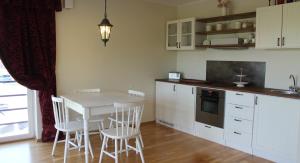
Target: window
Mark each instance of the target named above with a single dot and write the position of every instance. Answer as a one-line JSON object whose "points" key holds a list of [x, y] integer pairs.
{"points": [[13, 106]]}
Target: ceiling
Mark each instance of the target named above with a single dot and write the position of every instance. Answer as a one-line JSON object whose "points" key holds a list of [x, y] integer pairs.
{"points": [[172, 2]]}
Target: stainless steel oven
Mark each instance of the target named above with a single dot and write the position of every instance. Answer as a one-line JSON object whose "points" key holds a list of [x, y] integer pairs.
{"points": [[210, 104]]}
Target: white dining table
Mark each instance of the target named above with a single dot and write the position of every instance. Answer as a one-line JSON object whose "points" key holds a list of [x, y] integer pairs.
{"points": [[90, 104]]}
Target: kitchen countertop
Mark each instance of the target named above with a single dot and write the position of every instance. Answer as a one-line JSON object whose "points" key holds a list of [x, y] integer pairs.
{"points": [[255, 90]]}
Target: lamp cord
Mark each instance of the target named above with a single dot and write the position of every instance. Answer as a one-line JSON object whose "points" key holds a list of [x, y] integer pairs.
{"points": [[105, 14]]}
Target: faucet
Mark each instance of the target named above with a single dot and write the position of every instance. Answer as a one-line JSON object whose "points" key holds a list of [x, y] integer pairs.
{"points": [[294, 87]]}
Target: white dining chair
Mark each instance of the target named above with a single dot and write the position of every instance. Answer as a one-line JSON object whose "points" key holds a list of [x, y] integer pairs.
{"points": [[133, 113], [99, 119], [62, 124], [112, 117]]}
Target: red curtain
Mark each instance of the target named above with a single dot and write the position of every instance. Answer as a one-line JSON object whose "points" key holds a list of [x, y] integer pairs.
{"points": [[28, 50]]}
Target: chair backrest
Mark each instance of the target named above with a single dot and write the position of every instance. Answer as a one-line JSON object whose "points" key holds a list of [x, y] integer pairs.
{"points": [[59, 112], [94, 90], [136, 93], [129, 115]]}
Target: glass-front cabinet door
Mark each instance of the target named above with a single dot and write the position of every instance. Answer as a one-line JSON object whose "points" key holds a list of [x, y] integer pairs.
{"points": [[181, 34], [187, 34], [172, 35]]}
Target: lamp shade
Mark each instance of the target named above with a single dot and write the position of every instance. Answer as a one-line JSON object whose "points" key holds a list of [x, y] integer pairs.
{"points": [[105, 29]]}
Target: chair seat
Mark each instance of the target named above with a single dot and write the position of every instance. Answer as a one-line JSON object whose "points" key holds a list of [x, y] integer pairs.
{"points": [[112, 133], [93, 119], [70, 126]]}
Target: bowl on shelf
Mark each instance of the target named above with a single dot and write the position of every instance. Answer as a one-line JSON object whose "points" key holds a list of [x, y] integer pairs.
{"points": [[219, 27], [208, 28]]}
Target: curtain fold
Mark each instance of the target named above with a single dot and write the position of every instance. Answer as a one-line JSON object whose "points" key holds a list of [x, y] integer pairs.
{"points": [[28, 50]]}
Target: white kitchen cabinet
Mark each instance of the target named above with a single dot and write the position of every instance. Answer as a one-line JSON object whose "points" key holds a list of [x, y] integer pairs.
{"points": [[185, 108], [239, 114], [209, 132], [278, 26], [276, 133], [165, 103], [175, 106], [268, 27], [181, 34], [291, 26]]}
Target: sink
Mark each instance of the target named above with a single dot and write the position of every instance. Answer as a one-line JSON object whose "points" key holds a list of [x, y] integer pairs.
{"points": [[287, 92]]}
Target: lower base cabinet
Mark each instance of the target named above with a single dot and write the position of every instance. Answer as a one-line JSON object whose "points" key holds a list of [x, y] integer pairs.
{"points": [[175, 106], [276, 132], [270, 128], [210, 133], [239, 140]]}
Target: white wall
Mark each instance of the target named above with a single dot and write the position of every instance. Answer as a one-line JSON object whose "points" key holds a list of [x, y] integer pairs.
{"points": [[279, 63], [134, 57]]}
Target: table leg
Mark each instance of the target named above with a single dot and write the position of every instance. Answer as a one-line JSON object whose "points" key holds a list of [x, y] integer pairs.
{"points": [[86, 138]]}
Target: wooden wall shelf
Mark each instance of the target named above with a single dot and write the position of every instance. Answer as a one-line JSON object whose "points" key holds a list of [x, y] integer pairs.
{"points": [[228, 18], [233, 46], [227, 31]]}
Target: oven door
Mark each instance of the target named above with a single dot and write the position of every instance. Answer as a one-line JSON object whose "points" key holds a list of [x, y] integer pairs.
{"points": [[210, 108]]}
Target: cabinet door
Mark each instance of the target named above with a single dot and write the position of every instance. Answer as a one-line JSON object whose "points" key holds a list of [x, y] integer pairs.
{"points": [[172, 35], [291, 26], [276, 129], [185, 108], [165, 102], [268, 27], [187, 34]]}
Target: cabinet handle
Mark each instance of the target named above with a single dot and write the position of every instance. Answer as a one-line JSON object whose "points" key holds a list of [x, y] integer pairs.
{"points": [[237, 133], [174, 88], [177, 45], [237, 107], [207, 126], [239, 94], [237, 120], [256, 100], [192, 90], [278, 41], [283, 41]]}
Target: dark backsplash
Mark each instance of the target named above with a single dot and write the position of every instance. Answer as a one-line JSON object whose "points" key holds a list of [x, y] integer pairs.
{"points": [[225, 71]]}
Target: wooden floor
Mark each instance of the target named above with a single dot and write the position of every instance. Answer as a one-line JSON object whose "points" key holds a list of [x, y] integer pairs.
{"points": [[162, 145]]}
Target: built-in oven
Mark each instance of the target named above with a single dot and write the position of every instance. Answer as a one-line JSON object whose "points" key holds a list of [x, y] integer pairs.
{"points": [[210, 104]]}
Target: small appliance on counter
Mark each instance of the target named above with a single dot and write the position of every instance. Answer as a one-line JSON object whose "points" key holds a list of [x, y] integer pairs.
{"points": [[174, 76]]}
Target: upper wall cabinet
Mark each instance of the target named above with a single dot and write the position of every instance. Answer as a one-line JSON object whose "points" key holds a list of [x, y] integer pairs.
{"points": [[278, 26], [181, 34]]}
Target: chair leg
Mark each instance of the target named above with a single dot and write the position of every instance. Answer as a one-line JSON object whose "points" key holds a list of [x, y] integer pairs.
{"points": [[121, 145], [102, 149], [141, 140], [100, 129], [66, 147], [116, 150], [140, 149], [102, 125], [91, 150], [55, 142], [126, 147], [80, 140], [106, 142]]}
